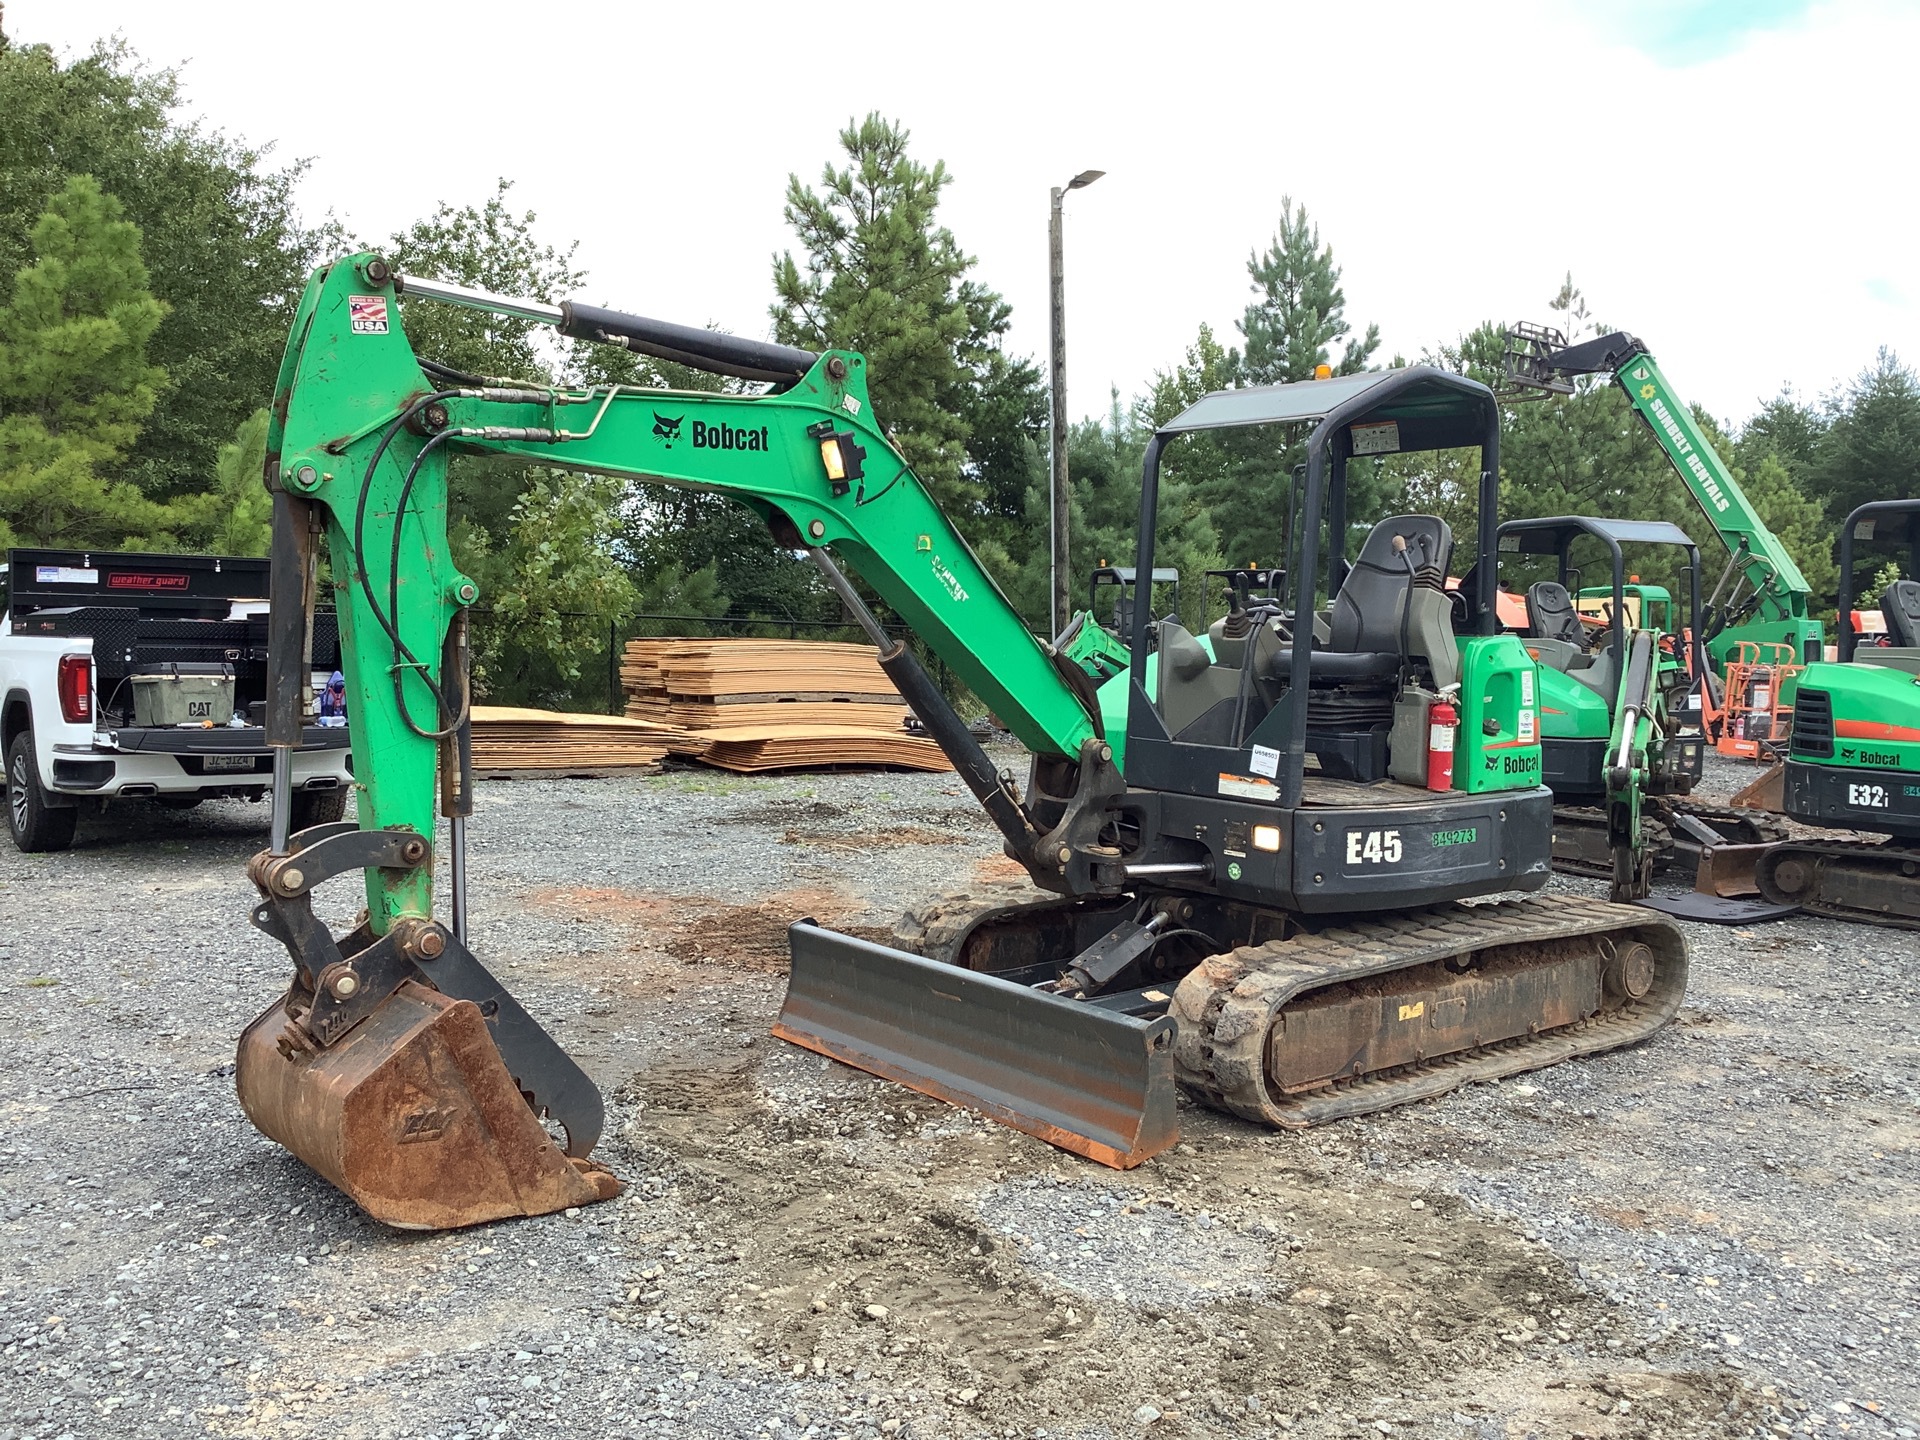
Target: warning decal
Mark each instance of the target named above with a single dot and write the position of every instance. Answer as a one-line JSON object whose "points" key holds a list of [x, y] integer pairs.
{"points": [[367, 314]]}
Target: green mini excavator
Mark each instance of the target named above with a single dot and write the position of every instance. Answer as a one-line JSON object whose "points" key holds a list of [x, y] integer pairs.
{"points": [[1246, 847], [1853, 760], [1612, 713]]}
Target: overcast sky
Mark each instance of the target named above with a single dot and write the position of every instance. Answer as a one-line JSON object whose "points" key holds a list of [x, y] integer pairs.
{"points": [[1732, 180]]}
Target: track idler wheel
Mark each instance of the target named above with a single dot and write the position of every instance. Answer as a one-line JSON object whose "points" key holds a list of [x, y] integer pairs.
{"points": [[412, 1114], [1629, 971]]}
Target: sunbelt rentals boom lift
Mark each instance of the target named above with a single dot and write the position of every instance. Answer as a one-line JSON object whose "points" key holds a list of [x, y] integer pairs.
{"points": [[1760, 597]]}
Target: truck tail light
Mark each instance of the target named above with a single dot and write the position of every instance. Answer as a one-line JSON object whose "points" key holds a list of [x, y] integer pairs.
{"points": [[76, 688]]}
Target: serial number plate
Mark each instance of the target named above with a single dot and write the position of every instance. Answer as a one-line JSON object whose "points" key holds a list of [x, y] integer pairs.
{"points": [[227, 762]]}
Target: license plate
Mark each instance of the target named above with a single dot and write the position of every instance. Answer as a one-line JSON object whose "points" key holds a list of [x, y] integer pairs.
{"points": [[227, 762]]}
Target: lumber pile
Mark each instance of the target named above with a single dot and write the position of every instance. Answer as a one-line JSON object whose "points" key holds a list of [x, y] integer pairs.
{"points": [[512, 741], [773, 704], [793, 747]]}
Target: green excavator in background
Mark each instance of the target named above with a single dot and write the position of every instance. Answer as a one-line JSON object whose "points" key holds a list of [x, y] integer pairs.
{"points": [[1245, 847], [1853, 759], [1614, 682]]}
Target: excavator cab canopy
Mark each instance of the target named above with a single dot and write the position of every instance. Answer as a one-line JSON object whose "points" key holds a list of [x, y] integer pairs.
{"points": [[1555, 535], [1178, 742]]}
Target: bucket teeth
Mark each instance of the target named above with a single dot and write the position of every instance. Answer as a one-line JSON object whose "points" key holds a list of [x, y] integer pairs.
{"points": [[413, 1115]]}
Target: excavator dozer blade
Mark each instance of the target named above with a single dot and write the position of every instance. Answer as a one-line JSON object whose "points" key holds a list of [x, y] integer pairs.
{"points": [[1076, 1074], [413, 1115]]}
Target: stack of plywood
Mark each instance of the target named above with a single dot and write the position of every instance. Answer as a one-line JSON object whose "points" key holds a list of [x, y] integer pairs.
{"points": [[509, 741], [773, 704]]}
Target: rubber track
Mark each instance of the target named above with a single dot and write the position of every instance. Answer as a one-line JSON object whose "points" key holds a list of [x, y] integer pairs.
{"points": [[1226, 1005], [1884, 858]]}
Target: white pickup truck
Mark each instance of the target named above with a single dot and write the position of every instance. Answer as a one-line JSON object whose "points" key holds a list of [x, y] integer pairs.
{"points": [[90, 642]]}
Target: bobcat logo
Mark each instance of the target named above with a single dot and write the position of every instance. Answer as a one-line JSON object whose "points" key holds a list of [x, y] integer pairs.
{"points": [[666, 428]]}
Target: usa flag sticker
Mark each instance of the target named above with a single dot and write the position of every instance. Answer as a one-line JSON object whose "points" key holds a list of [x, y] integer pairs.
{"points": [[367, 314]]}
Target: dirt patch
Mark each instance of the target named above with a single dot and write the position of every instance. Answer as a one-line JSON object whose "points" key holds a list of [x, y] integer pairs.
{"points": [[997, 868], [702, 930], [852, 841], [873, 1231]]}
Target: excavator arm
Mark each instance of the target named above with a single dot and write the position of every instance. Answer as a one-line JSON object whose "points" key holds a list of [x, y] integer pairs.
{"points": [[1774, 609], [382, 1041]]}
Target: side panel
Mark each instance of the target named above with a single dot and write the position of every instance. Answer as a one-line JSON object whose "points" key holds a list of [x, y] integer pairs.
{"points": [[1852, 798], [1388, 859], [1498, 743]]}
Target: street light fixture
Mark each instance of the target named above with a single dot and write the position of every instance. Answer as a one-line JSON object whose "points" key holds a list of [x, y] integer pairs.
{"points": [[1060, 600]]}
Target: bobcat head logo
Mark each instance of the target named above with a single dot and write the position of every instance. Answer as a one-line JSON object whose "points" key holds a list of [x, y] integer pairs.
{"points": [[666, 428]]}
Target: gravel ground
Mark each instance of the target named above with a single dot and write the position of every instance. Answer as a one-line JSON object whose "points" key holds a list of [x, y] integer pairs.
{"points": [[1711, 1234]]}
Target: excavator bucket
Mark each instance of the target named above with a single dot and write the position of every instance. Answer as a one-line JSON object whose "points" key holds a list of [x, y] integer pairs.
{"points": [[1075, 1073], [412, 1114], [1768, 792]]}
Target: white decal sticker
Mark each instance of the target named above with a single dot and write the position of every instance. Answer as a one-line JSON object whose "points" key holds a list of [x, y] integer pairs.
{"points": [[64, 575], [1373, 847], [849, 404], [1526, 727], [947, 578], [1266, 761], [1380, 438], [367, 314], [1526, 687], [1246, 787]]}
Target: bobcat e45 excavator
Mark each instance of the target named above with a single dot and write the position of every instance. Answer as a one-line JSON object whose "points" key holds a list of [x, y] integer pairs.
{"points": [[1853, 759], [1249, 887]]}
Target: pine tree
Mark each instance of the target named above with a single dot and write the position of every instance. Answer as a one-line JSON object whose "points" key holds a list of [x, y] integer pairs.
{"points": [[879, 274], [1871, 447], [1301, 309], [75, 381]]}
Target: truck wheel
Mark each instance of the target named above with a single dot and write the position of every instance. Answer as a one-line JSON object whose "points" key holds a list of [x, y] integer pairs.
{"points": [[318, 807], [34, 824]]}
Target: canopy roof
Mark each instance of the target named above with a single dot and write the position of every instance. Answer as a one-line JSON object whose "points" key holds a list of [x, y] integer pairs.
{"points": [[1435, 409], [1547, 534]]}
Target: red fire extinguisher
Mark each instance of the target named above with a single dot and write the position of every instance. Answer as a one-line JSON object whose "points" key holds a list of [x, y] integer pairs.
{"points": [[1443, 722]]}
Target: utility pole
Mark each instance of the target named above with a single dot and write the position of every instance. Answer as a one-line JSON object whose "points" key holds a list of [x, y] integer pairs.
{"points": [[1060, 597]]}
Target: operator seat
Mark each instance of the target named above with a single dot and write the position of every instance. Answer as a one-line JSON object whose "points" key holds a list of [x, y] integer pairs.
{"points": [[1365, 623], [1562, 639], [1551, 616], [1901, 608]]}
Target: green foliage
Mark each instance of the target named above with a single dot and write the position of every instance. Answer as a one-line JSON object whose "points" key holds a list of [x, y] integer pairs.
{"points": [[75, 380], [1884, 579], [241, 522], [1788, 429], [226, 252], [1870, 449], [1301, 309], [541, 543], [489, 247], [878, 274]]}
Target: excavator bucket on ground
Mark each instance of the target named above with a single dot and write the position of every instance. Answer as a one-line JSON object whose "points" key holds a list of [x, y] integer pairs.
{"points": [[1087, 1077], [412, 1114], [1768, 792]]}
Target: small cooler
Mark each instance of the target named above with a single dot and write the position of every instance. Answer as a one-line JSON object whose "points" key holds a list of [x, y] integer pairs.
{"points": [[182, 693]]}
